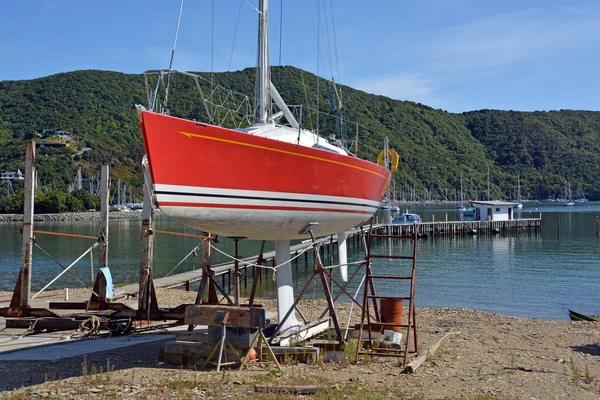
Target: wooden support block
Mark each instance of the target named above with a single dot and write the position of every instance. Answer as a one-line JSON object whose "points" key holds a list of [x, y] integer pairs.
{"points": [[301, 354], [193, 336], [240, 338], [190, 353], [239, 317]]}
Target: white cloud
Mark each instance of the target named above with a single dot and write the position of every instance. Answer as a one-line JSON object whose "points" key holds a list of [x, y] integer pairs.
{"points": [[409, 86], [508, 39], [577, 10], [458, 58]]}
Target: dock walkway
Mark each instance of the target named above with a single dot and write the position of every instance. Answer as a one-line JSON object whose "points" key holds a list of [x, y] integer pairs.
{"points": [[354, 237], [186, 278]]}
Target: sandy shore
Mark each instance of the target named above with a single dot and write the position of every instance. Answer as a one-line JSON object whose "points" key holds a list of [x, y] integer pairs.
{"points": [[487, 356]]}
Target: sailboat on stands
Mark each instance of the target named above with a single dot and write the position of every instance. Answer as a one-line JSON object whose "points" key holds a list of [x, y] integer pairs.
{"points": [[268, 181]]}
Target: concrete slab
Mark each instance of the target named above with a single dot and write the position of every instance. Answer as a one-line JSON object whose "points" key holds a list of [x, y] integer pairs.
{"points": [[71, 347]]}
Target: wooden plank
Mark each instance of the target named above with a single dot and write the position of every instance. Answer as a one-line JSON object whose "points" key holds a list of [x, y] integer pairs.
{"points": [[187, 353], [303, 354], [416, 363], [239, 317], [192, 336], [298, 390], [301, 334]]}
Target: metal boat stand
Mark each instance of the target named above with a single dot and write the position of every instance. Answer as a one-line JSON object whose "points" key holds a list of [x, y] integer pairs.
{"points": [[220, 347], [258, 341], [318, 271], [256, 277], [20, 313], [208, 283]]}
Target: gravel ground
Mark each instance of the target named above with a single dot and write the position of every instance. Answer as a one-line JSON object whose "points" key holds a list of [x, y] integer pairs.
{"points": [[486, 356]]}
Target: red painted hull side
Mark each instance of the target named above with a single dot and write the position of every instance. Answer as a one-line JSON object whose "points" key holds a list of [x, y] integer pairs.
{"points": [[183, 153]]}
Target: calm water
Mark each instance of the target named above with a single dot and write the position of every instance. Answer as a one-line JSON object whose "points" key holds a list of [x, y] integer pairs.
{"points": [[527, 275]]}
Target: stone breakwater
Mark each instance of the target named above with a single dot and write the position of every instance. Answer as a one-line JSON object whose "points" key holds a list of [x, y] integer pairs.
{"points": [[67, 217]]}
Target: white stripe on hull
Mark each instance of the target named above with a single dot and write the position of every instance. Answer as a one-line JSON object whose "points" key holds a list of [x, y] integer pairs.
{"points": [[236, 193], [261, 203]]}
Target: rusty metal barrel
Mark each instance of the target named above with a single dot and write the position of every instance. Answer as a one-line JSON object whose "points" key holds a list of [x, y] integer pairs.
{"points": [[391, 313]]}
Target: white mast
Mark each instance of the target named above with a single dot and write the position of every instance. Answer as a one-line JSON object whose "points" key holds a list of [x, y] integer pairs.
{"points": [[488, 182], [262, 70], [284, 279], [461, 188], [79, 179]]}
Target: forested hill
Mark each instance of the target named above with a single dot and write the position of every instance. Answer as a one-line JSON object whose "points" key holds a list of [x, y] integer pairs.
{"points": [[547, 150]]}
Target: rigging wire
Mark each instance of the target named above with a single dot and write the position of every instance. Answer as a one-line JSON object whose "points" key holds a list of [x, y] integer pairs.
{"points": [[166, 99], [318, 58], [251, 6], [237, 24], [319, 55], [312, 18], [337, 64], [340, 126], [212, 44], [176, 34], [301, 71], [280, 38], [328, 39], [337, 60]]}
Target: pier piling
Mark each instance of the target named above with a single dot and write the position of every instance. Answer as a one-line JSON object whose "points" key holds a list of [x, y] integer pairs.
{"points": [[22, 293]]}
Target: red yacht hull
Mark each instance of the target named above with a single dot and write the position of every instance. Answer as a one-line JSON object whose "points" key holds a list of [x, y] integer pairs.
{"points": [[233, 183]]}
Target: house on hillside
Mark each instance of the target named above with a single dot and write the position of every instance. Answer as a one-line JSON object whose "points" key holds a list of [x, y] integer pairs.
{"points": [[63, 136], [12, 176], [493, 210]]}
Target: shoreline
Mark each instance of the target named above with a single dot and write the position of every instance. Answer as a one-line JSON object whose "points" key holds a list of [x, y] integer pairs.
{"points": [[71, 217], [487, 356]]}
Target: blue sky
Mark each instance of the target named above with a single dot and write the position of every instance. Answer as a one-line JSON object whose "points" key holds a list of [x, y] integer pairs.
{"points": [[458, 55]]}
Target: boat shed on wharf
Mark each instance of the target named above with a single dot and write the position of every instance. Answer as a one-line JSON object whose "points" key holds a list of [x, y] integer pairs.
{"points": [[491, 218], [494, 210]]}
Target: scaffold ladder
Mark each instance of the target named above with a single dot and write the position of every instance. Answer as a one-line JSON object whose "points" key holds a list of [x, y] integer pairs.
{"points": [[372, 320]]}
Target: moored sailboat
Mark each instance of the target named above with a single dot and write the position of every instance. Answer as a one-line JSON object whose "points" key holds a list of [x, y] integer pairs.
{"points": [[519, 203]]}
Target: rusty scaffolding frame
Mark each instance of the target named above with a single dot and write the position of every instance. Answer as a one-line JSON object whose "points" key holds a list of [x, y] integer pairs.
{"points": [[66, 315], [370, 297]]}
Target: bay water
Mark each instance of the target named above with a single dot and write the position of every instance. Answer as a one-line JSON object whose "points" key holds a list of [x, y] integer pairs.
{"points": [[535, 275]]}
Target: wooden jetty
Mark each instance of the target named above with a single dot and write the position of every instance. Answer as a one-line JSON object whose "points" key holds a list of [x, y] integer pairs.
{"points": [[186, 278], [464, 228], [354, 238]]}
